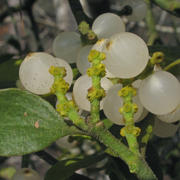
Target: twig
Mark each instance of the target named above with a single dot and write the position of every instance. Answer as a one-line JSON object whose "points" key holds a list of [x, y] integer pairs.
{"points": [[77, 10], [25, 161], [47, 157], [172, 65], [153, 35], [171, 6], [34, 27]]}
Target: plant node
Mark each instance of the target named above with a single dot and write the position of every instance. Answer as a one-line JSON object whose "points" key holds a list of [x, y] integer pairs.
{"points": [[97, 70], [126, 91], [57, 71], [65, 107], [60, 85], [128, 108], [96, 55], [83, 27], [130, 130], [157, 58], [94, 93]]}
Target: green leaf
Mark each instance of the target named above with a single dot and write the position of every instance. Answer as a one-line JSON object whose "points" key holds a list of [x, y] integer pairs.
{"points": [[65, 168], [28, 123]]}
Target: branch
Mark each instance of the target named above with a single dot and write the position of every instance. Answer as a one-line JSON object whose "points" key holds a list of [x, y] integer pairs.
{"points": [[96, 128], [25, 161], [171, 6], [168, 67], [151, 25], [78, 13], [46, 157], [96, 92], [136, 164], [34, 27]]}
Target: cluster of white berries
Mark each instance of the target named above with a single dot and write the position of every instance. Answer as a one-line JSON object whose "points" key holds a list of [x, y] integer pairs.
{"points": [[127, 56]]}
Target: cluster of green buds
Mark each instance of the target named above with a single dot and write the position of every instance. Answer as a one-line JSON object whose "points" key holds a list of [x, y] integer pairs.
{"points": [[87, 35], [60, 88], [96, 72], [59, 85], [128, 110]]}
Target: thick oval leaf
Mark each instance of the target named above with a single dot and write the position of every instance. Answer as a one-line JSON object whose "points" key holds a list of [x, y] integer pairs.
{"points": [[65, 168], [28, 123]]}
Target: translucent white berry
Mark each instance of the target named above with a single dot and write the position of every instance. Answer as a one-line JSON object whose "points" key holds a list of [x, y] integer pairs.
{"points": [[162, 129], [80, 90], [69, 74], [107, 24], [126, 55], [34, 72], [143, 115], [172, 116], [66, 46], [160, 93], [82, 59], [139, 9], [113, 102], [136, 84], [19, 85], [99, 46]]}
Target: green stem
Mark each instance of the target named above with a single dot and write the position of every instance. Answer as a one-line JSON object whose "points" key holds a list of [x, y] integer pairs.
{"points": [[135, 163], [133, 143], [95, 93], [128, 110], [146, 133], [95, 104], [65, 107], [172, 6], [151, 25], [72, 113], [133, 158], [168, 67], [145, 139]]}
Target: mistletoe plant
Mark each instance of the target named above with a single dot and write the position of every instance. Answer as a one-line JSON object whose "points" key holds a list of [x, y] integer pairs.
{"points": [[28, 123]]}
